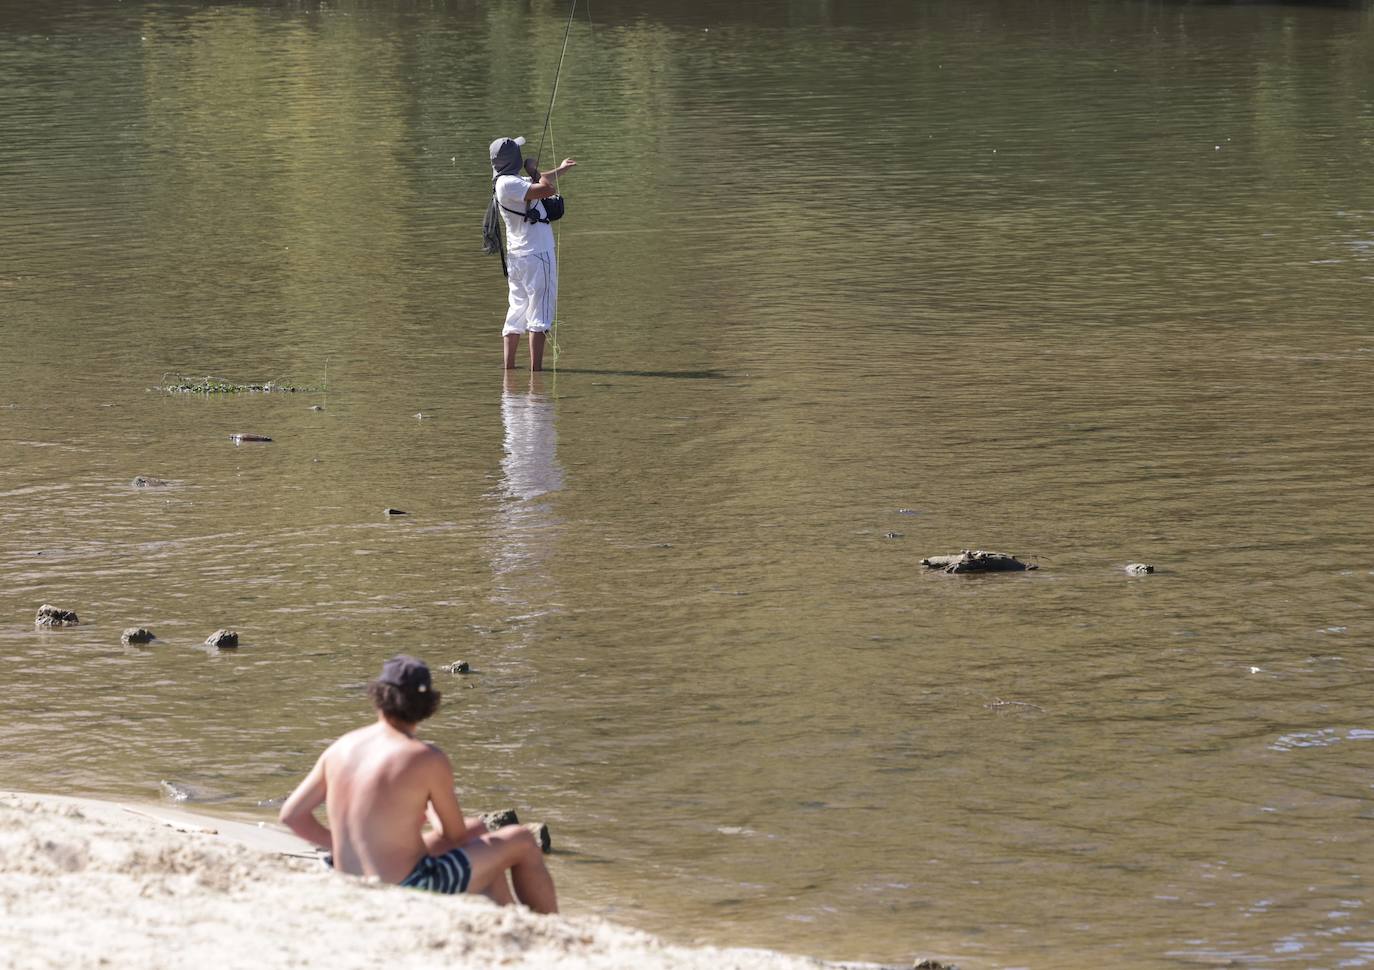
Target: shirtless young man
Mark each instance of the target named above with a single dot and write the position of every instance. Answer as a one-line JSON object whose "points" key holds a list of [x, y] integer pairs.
{"points": [[379, 784]]}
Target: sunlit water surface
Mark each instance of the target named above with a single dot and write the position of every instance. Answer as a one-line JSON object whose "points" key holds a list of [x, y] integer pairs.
{"points": [[843, 286]]}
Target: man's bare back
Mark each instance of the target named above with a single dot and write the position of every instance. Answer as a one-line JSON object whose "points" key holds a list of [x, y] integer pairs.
{"points": [[380, 783]]}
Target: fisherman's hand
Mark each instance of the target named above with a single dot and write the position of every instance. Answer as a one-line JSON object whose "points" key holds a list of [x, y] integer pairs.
{"points": [[567, 164]]}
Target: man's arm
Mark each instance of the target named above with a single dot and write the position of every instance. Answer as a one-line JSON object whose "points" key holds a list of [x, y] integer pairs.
{"points": [[444, 813], [547, 184], [298, 811]]}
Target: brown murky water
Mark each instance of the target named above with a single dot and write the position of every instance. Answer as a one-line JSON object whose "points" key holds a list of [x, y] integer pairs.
{"points": [[843, 286]]}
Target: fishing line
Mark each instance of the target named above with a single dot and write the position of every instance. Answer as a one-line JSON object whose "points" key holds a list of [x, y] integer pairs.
{"points": [[548, 130], [556, 75]]}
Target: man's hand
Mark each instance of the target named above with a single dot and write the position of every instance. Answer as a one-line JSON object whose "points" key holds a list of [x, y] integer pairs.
{"points": [[567, 164]]}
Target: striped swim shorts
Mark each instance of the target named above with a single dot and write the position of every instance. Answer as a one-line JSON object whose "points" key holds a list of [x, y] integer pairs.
{"points": [[448, 873]]}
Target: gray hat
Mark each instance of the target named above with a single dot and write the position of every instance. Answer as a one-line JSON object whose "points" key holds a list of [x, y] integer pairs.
{"points": [[505, 155], [407, 673]]}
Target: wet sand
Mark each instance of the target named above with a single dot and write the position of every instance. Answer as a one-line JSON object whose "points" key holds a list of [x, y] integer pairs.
{"points": [[90, 883]]}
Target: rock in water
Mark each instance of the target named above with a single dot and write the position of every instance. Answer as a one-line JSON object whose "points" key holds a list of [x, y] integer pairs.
{"points": [[143, 481], [541, 835], [136, 634], [51, 616], [239, 439], [391, 511], [507, 816], [222, 639], [499, 820], [457, 667], [1139, 568], [978, 561]]}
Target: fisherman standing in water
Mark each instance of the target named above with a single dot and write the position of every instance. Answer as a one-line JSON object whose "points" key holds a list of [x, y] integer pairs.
{"points": [[529, 250]]}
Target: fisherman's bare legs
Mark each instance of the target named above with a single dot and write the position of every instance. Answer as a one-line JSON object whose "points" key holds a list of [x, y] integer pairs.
{"points": [[516, 849], [537, 339], [512, 344]]}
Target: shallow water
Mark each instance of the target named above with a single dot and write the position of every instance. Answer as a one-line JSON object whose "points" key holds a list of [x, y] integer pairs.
{"points": [[842, 288]]}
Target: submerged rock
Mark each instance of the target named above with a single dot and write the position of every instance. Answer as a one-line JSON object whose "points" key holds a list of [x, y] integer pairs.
{"points": [[178, 791], [390, 511], [1139, 568], [51, 616], [499, 820], [507, 816], [541, 835], [929, 964], [978, 561], [144, 481], [457, 667], [222, 639], [239, 439], [136, 634]]}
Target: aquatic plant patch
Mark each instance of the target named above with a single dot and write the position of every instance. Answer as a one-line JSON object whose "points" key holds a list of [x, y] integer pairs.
{"points": [[181, 384]]}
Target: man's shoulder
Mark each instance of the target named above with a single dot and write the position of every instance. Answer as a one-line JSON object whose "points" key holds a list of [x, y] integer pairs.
{"points": [[512, 187]]}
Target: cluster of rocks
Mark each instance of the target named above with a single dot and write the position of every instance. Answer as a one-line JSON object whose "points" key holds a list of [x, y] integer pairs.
{"points": [[977, 561], [50, 616], [983, 561], [507, 816]]}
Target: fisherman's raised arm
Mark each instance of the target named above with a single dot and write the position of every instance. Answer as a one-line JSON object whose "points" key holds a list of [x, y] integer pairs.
{"points": [[547, 182]]}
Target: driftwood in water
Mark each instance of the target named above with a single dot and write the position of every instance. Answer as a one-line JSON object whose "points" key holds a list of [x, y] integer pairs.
{"points": [[977, 561]]}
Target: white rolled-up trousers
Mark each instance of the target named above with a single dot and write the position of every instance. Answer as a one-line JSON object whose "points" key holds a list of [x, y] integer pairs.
{"points": [[533, 293]]}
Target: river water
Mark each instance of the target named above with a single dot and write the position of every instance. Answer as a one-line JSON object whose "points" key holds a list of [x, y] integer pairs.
{"points": [[844, 285]]}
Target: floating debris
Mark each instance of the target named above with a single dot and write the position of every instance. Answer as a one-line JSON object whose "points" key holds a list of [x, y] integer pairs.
{"points": [[222, 639], [136, 634], [977, 561], [179, 384], [51, 616]]}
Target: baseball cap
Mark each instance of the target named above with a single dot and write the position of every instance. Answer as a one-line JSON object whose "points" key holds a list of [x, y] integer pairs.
{"points": [[406, 672]]}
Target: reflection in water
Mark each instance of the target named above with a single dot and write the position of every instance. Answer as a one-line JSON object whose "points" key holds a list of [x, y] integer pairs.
{"points": [[526, 528]]}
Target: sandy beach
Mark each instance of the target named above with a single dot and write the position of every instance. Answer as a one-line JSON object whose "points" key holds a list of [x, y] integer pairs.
{"points": [[100, 884]]}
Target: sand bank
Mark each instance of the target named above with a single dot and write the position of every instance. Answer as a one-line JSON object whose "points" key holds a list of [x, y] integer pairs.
{"points": [[98, 884]]}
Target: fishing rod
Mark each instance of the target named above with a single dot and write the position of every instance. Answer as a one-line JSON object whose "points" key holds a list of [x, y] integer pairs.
{"points": [[556, 75]]}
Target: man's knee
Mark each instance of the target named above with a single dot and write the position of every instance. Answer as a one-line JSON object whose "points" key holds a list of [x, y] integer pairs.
{"points": [[519, 842]]}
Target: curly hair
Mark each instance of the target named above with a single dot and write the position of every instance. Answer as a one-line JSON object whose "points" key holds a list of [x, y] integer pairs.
{"points": [[412, 708]]}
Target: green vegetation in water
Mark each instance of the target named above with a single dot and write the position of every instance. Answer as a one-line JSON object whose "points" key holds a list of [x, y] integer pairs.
{"points": [[181, 384]]}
